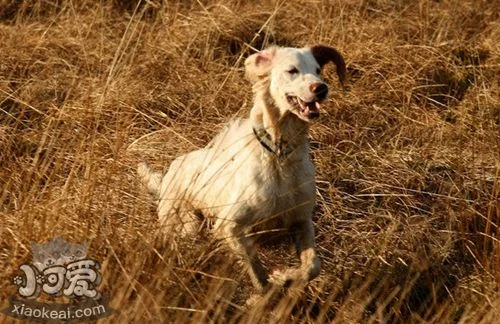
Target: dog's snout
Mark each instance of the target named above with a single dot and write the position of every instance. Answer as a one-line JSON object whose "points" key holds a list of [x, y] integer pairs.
{"points": [[320, 90]]}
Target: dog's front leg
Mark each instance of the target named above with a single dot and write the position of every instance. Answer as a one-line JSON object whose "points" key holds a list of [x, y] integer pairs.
{"points": [[244, 246], [306, 251], [303, 232]]}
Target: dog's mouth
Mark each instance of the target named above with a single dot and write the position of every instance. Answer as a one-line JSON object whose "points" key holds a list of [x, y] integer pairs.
{"points": [[305, 110]]}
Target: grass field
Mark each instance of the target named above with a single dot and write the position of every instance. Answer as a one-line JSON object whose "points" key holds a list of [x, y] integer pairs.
{"points": [[407, 157]]}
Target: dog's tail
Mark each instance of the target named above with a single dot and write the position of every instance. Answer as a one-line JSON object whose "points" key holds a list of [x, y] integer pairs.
{"points": [[150, 178]]}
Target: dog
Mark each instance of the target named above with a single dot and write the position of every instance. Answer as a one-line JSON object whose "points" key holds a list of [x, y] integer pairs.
{"points": [[256, 174]]}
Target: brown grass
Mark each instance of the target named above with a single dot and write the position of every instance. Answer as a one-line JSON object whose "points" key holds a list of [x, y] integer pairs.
{"points": [[407, 158]]}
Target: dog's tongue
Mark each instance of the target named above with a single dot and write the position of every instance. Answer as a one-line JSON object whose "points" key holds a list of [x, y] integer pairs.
{"points": [[312, 106], [312, 109]]}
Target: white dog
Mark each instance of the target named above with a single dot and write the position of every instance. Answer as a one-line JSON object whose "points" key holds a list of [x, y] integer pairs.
{"points": [[256, 174]]}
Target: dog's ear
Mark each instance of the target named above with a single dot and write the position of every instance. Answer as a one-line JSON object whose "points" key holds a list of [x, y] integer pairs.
{"points": [[259, 64], [324, 54]]}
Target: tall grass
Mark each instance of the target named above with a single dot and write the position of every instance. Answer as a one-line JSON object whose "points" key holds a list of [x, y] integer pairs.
{"points": [[407, 158]]}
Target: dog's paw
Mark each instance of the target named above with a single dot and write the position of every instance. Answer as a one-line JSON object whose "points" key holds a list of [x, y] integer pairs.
{"points": [[143, 169], [254, 300], [285, 278]]}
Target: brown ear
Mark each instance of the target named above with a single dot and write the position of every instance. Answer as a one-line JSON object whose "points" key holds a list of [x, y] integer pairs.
{"points": [[324, 54], [259, 64]]}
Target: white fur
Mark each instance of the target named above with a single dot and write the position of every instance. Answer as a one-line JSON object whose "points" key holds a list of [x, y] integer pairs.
{"points": [[241, 187]]}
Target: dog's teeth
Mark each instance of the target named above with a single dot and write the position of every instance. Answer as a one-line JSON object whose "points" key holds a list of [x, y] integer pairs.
{"points": [[302, 105]]}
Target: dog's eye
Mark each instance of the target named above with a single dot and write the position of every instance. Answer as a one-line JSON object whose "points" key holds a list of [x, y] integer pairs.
{"points": [[293, 71], [318, 71]]}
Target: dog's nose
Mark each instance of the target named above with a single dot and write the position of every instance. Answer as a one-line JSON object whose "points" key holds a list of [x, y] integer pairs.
{"points": [[320, 90]]}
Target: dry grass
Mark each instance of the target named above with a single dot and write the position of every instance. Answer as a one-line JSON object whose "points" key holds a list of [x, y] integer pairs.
{"points": [[407, 158]]}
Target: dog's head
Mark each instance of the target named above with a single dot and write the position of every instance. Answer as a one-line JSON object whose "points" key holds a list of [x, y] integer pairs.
{"points": [[293, 76]]}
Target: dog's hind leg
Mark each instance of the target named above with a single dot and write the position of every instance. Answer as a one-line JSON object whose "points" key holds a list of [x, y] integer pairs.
{"points": [[175, 210], [152, 179]]}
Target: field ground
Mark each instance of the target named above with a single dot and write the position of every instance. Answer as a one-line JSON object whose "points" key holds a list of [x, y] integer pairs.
{"points": [[407, 157]]}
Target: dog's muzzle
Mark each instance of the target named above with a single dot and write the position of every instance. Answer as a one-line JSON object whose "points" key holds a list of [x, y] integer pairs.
{"points": [[320, 90], [309, 110]]}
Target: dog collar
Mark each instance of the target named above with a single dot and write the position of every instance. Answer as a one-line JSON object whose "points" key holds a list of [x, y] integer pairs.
{"points": [[279, 149]]}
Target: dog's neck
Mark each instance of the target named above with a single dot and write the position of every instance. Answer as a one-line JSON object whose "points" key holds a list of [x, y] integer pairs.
{"points": [[285, 131]]}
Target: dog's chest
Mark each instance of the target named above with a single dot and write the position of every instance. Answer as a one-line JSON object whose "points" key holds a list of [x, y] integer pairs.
{"points": [[280, 188]]}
